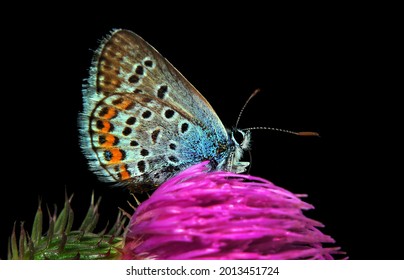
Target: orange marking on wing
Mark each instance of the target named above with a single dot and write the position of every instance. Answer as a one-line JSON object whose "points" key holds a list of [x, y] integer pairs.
{"points": [[115, 82], [111, 113], [125, 104], [124, 173], [106, 126], [109, 140], [116, 156]]}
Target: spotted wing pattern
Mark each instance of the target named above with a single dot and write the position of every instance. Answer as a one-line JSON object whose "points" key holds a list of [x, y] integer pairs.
{"points": [[143, 121]]}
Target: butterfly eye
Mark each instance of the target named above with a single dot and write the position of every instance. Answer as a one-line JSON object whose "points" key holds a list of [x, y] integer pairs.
{"points": [[238, 136]]}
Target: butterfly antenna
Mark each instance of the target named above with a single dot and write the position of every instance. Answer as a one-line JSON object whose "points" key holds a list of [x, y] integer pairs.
{"points": [[302, 133], [245, 104]]}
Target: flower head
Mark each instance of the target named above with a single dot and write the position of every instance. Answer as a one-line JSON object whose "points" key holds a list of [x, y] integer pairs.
{"points": [[222, 215]]}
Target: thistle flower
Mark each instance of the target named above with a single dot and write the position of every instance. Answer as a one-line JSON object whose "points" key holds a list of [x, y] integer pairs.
{"points": [[194, 215], [61, 242], [222, 215]]}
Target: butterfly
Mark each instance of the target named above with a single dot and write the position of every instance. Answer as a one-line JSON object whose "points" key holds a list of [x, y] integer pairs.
{"points": [[143, 122]]}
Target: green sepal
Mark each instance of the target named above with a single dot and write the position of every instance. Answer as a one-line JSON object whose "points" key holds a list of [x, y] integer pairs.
{"points": [[62, 243]]}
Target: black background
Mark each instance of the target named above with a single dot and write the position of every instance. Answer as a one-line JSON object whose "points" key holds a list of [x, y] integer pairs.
{"points": [[317, 70]]}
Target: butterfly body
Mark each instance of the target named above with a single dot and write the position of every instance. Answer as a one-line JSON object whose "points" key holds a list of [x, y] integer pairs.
{"points": [[143, 122]]}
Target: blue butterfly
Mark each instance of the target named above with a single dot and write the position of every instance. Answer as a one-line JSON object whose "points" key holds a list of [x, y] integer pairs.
{"points": [[143, 122]]}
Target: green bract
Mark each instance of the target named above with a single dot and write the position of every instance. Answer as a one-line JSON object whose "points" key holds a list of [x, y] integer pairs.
{"points": [[60, 242]]}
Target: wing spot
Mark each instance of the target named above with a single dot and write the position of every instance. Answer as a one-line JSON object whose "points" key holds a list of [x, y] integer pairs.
{"points": [[173, 146], [124, 173], [101, 139], [139, 70], [103, 111], [107, 113], [184, 127], [161, 92], [130, 106], [146, 100], [173, 159], [114, 155], [126, 131], [117, 101], [116, 140], [106, 126], [144, 152], [134, 143], [107, 155], [146, 114], [123, 154], [131, 120], [133, 79], [141, 165], [154, 135], [169, 113], [172, 168], [99, 124], [148, 63], [108, 140]]}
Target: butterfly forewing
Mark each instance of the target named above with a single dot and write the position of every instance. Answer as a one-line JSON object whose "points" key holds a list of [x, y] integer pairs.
{"points": [[128, 64], [143, 121]]}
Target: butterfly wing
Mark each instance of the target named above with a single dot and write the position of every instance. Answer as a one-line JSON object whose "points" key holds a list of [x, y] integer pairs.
{"points": [[143, 121]]}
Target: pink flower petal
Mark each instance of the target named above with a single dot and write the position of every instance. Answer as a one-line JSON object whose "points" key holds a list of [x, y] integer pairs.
{"points": [[222, 215]]}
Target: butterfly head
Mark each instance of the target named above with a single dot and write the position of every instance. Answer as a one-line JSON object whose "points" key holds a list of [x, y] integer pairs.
{"points": [[239, 143], [241, 139]]}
